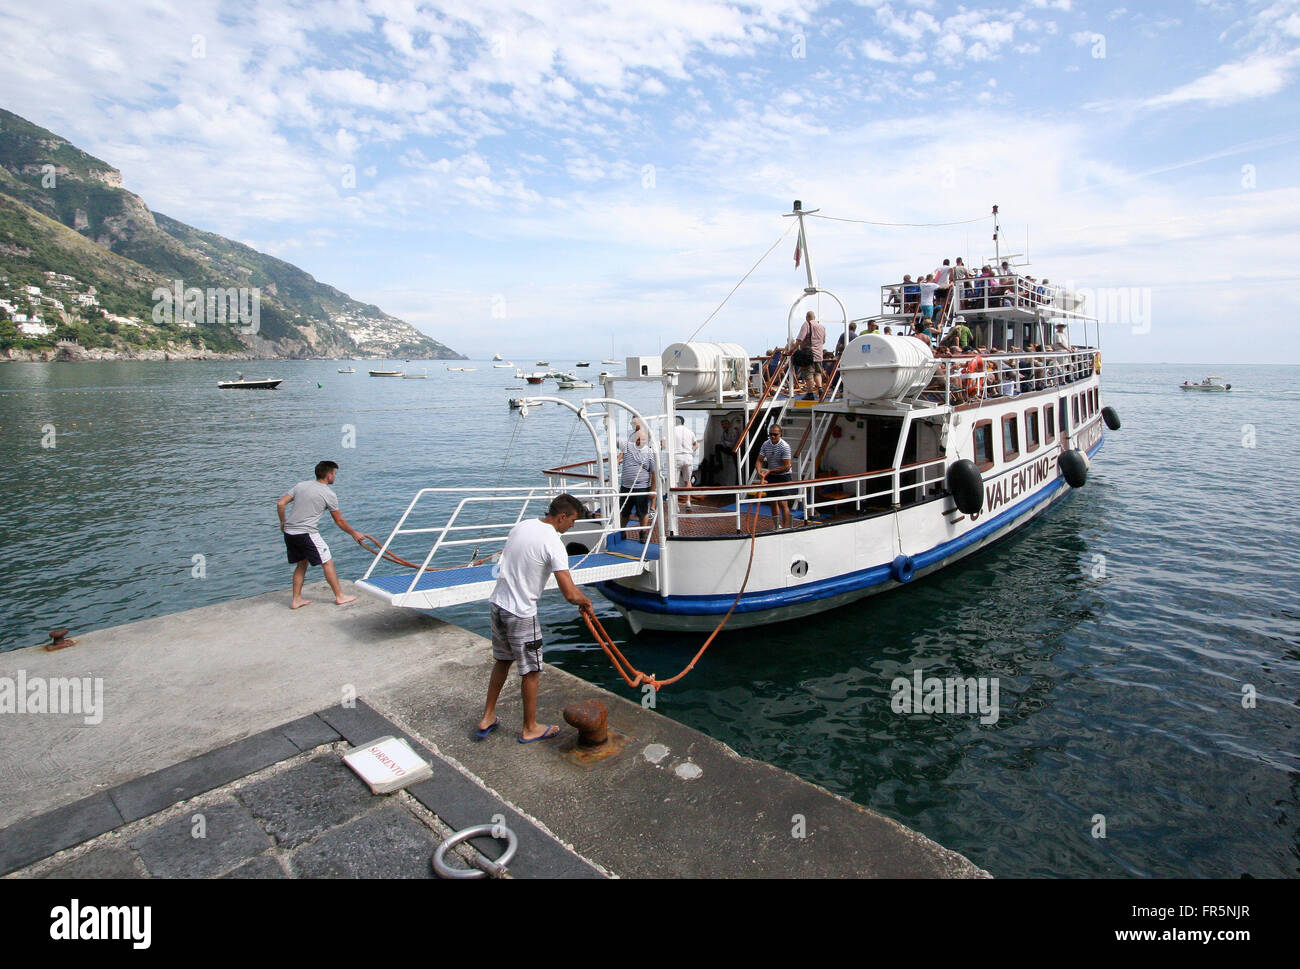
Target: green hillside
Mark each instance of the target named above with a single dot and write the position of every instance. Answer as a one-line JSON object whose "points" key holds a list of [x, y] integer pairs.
{"points": [[64, 212]]}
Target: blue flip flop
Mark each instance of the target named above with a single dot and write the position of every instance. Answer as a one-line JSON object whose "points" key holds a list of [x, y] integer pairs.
{"points": [[482, 732], [550, 732]]}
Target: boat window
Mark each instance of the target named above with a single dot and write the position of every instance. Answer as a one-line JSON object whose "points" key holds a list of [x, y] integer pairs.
{"points": [[1031, 429], [1010, 438], [1065, 414], [1049, 423], [983, 441], [1074, 409]]}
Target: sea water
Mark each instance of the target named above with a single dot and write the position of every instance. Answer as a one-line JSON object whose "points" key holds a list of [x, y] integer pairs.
{"points": [[1143, 636]]}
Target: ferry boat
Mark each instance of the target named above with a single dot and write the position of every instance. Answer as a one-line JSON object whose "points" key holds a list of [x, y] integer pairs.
{"points": [[911, 458]]}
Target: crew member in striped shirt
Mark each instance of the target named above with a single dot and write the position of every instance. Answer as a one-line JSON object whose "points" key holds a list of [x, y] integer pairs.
{"points": [[636, 474], [774, 468]]}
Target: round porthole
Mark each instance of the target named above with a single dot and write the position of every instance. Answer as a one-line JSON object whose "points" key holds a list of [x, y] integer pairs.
{"points": [[799, 568]]}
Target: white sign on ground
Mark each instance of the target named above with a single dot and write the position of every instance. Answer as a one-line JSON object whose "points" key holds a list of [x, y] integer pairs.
{"points": [[387, 764]]}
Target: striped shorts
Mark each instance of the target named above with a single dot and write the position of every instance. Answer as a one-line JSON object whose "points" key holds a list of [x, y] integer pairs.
{"points": [[517, 638]]}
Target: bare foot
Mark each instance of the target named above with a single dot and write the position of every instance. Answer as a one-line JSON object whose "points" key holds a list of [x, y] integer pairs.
{"points": [[299, 603], [343, 601]]}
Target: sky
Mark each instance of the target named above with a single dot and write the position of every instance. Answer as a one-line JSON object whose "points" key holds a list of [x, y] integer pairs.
{"points": [[556, 179]]}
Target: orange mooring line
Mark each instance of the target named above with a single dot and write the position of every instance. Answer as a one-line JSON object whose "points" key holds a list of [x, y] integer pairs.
{"points": [[633, 677]]}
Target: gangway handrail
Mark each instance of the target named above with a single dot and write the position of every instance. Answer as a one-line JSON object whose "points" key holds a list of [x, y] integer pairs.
{"points": [[522, 495]]}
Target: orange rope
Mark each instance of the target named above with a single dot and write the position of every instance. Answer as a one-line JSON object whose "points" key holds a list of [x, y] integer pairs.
{"points": [[398, 560], [631, 675]]}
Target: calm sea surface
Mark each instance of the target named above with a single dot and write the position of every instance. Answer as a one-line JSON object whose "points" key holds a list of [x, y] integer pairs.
{"points": [[1124, 628]]}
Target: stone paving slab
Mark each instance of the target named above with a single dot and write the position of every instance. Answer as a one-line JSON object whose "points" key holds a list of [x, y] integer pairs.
{"points": [[108, 862], [295, 806], [261, 867], [230, 837], [387, 843], [309, 732], [148, 795], [72, 824]]}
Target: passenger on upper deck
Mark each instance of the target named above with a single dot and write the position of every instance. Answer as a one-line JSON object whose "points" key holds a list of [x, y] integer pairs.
{"points": [[872, 327], [943, 279], [811, 344], [841, 343], [928, 289], [911, 295]]}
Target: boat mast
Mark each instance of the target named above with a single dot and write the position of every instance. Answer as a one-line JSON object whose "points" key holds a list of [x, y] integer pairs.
{"points": [[799, 213], [812, 287], [997, 248]]}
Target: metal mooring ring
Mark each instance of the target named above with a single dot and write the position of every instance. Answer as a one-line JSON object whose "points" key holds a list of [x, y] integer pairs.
{"points": [[486, 865]]}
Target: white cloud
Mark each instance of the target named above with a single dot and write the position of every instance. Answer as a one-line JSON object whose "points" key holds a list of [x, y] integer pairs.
{"points": [[1255, 77]]}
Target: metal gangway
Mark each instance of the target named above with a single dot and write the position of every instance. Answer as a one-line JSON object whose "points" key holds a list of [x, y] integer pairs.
{"points": [[433, 584]]}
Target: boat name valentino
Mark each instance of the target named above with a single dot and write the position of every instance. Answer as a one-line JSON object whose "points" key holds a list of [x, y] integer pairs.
{"points": [[132, 923], [1016, 483], [952, 694], [59, 694]]}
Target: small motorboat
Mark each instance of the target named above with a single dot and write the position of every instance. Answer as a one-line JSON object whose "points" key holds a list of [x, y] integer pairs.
{"points": [[543, 363], [535, 378], [387, 373], [1213, 384], [520, 403], [582, 363], [416, 376], [570, 382], [265, 383], [502, 366], [347, 370], [496, 356]]}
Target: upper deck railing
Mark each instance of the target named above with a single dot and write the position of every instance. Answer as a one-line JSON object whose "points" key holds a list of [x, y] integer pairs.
{"points": [[989, 294]]}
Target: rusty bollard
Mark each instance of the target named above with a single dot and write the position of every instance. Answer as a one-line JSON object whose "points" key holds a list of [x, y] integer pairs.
{"points": [[591, 720], [59, 640]]}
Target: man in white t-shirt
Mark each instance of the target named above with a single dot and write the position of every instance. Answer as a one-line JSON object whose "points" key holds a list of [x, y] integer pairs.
{"points": [[533, 551], [684, 458], [302, 539]]}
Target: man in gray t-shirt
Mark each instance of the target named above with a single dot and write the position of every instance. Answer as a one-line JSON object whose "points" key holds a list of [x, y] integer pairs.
{"points": [[302, 539]]}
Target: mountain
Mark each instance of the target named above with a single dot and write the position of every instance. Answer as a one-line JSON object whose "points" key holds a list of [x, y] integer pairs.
{"points": [[84, 260]]}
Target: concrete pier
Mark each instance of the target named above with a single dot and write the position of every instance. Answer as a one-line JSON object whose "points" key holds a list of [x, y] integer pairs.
{"points": [[244, 707]]}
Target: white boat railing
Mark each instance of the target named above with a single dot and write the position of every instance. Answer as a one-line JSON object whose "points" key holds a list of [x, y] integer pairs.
{"points": [[489, 536], [816, 496], [976, 377]]}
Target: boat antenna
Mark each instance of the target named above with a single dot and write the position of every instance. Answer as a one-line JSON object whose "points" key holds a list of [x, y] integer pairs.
{"points": [[802, 246], [997, 231]]}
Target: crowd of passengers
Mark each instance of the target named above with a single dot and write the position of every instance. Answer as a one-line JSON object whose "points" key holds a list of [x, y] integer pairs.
{"points": [[985, 289], [967, 371]]}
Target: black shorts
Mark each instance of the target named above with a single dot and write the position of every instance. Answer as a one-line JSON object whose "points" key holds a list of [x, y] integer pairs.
{"points": [[635, 503], [778, 478], [309, 547]]}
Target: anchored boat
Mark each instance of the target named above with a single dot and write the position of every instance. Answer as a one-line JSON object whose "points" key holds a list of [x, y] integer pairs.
{"points": [[908, 458]]}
